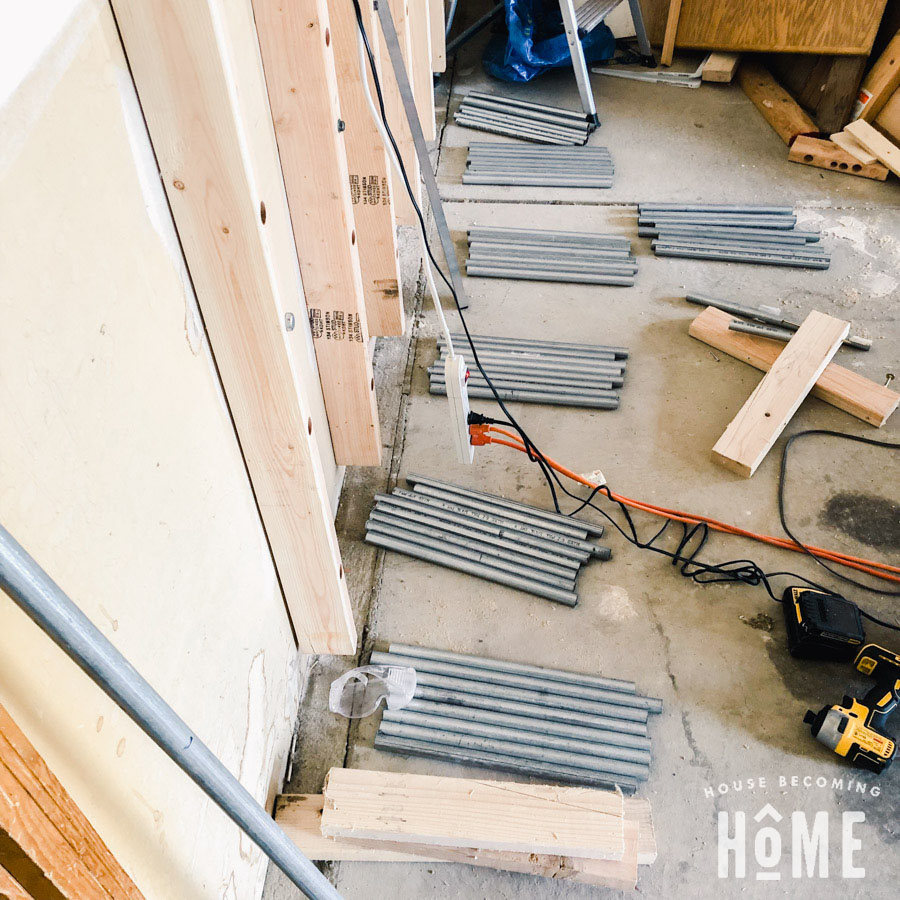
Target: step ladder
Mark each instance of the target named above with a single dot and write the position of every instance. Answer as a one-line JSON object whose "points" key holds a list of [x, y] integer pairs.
{"points": [[579, 21]]}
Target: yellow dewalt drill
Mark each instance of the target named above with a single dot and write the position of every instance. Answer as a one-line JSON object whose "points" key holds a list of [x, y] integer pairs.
{"points": [[855, 728]]}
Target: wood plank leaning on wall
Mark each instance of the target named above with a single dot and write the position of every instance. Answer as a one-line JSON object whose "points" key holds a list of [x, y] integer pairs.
{"points": [[436, 17], [298, 60], [370, 173], [47, 834], [185, 78], [422, 76]]}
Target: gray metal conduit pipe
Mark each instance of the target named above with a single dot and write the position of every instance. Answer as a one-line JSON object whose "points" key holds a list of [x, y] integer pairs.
{"points": [[49, 607]]}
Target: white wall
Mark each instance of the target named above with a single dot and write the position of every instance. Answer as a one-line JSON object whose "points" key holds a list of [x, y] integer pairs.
{"points": [[120, 471]]}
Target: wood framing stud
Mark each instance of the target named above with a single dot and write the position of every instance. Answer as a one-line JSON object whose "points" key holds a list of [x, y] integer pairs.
{"points": [[668, 47], [769, 408], [422, 76], [436, 17], [298, 59], [186, 72], [369, 173]]}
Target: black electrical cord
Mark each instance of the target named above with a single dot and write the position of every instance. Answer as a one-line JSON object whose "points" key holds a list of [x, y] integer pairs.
{"points": [[744, 571]]}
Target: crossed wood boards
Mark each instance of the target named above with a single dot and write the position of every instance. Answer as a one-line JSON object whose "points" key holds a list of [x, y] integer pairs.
{"points": [[584, 835]]}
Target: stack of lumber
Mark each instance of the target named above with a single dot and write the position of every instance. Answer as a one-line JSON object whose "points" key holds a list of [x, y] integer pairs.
{"points": [[515, 717], [579, 834], [764, 235]]}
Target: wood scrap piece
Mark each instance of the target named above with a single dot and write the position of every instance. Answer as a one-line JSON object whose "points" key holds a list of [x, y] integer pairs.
{"points": [[300, 815], [638, 809], [842, 388], [777, 106], [822, 154], [466, 812], [720, 67], [880, 82], [668, 47], [751, 433], [876, 144], [888, 120], [851, 145]]}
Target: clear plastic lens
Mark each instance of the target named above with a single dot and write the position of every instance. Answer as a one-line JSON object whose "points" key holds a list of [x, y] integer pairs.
{"points": [[359, 692]]}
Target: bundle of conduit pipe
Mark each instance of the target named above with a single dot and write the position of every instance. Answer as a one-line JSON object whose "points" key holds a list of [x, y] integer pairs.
{"points": [[765, 235], [556, 725], [529, 371], [499, 540], [524, 166], [531, 254], [518, 118]]}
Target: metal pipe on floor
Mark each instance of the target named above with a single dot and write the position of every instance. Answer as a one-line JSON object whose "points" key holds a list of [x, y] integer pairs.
{"points": [[478, 271], [760, 330], [547, 379], [794, 250], [510, 561], [567, 266], [576, 115], [573, 529], [513, 384], [508, 531], [542, 236], [761, 235], [608, 767], [618, 352], [786, 223], [525, 253], [592, 373], [502, 665], [717, 208], [524, 134], [514, 121], [525, 549], [502, 762], [531, 115], [521, 396], [539, 359], [527, 723], [735, 256], [612, 709], [488, 573], [533, 380], [520, 737], [462, 700], [538, 181], [47, 605], [470, 32], [481, 557], [515, 680], [534, 511]]}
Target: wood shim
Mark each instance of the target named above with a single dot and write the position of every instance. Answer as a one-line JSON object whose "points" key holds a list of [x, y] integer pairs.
{"points": [[877, 144], [777, 106], [828, 155], [471, 812], [751, 433], [720, 67], [300, 815], [847, 390], [851, 145]]}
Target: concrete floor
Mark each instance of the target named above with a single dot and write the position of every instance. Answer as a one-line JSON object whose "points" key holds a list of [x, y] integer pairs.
{"points": [[734, 699]]}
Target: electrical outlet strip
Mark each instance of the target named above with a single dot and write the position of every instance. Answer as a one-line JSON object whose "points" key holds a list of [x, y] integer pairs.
{"points": [[455, 373]]}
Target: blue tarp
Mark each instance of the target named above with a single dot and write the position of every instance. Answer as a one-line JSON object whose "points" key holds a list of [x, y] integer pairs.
{"points": [[537, 41]]}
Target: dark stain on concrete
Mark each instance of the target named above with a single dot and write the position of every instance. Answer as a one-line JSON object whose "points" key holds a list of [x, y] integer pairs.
{"points": [[866, 517], [761, 622]]}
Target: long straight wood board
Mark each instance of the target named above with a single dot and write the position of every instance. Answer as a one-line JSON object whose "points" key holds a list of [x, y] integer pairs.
{"points": [[300, 815], [471, 812], [847, 390], [751, 433], [780, 26], [775, 104]]}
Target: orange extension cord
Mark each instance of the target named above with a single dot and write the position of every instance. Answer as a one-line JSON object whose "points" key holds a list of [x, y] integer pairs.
{"points": [[480, 435]]}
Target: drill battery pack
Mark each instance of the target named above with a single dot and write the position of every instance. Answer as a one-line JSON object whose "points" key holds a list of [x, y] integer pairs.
{"points": [[821, 625]]}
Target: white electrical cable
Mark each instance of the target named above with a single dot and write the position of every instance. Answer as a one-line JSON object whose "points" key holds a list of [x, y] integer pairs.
{"points": [[429, 273]]}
